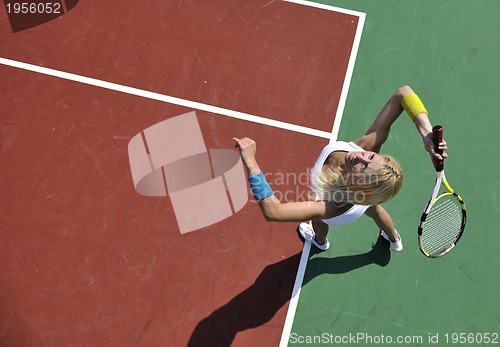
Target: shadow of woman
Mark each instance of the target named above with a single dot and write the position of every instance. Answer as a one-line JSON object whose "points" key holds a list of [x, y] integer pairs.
{"points": [[380, 254], [271, 290]]}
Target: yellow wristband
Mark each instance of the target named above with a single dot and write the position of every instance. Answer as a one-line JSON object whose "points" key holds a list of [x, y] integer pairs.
{"points": [[413, 105]]}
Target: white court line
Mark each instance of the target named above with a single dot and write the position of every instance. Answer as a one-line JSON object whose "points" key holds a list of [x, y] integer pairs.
{"points": [[164, 98], [327, 7], [299, 279], [348, 76], [352, 59]]}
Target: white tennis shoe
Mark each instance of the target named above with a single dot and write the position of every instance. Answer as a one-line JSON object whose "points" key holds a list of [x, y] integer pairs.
{"points": [[396, 246], [307, 232]]}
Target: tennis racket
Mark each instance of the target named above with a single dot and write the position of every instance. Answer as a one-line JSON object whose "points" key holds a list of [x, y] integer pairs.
{"points": [[443, 221]]}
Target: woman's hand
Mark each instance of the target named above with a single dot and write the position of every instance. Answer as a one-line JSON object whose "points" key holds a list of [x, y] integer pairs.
{"points": [[248, 148], [429, 147]]}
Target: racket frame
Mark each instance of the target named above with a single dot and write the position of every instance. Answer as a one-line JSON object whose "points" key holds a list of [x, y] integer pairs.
{"points": [[440, 180]]}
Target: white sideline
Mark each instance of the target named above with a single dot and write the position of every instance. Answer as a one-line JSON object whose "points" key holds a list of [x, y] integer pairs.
{"points": [[292, 307]]}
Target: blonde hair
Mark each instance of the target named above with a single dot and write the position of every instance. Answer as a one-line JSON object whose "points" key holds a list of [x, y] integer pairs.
{"points": [[360, 188]]}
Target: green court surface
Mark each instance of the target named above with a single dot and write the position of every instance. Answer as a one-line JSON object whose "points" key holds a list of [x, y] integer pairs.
{"points": [[447, 51]]}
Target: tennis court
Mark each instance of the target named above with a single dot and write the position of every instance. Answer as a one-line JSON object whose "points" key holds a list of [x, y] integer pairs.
{"points": [[87, 261]]}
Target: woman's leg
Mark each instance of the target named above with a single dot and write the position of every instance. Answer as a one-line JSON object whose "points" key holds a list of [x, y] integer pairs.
{"points": [[383, 221], [321, 230]]}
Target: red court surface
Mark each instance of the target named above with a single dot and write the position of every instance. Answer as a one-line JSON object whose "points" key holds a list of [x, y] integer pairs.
{"points": [[85, 260]]}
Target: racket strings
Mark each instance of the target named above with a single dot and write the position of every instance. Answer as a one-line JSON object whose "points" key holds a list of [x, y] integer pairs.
{"points": [[442, 225]]}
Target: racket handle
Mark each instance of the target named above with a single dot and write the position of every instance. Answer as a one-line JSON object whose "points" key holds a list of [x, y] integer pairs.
{"points": [[437, 136]]}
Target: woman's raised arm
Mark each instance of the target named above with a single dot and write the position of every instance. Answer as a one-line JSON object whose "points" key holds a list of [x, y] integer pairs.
{"points": [[404, 98], [272, 209]]}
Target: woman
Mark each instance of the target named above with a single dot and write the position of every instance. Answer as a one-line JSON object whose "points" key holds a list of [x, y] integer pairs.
{"points": [[349, 178]]}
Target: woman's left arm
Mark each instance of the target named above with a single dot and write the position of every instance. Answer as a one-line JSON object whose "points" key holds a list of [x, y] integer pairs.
{"points": [[378, 132]]}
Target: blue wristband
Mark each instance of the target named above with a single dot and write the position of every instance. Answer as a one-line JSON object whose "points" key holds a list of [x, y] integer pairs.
{"points": [[260, 187]]}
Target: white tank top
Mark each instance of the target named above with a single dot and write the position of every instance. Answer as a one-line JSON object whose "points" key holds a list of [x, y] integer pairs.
{"points": [[355, 211], [333, 147]]}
